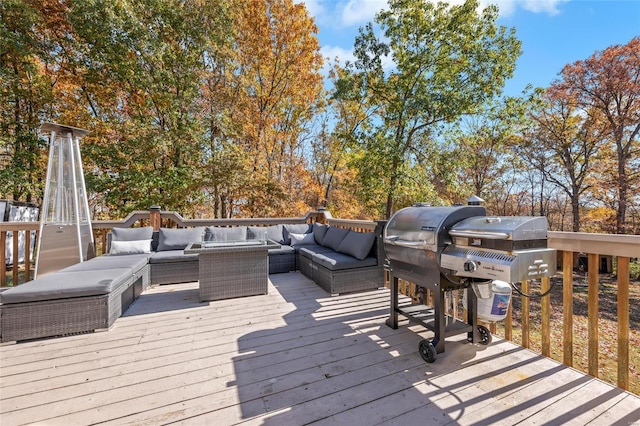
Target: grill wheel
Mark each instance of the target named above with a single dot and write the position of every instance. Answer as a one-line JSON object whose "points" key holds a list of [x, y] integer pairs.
{"points": [[427, 351], [485, 335]]}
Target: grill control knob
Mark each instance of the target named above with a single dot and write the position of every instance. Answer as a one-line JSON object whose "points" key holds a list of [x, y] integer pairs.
{"points": [[470, 266]]}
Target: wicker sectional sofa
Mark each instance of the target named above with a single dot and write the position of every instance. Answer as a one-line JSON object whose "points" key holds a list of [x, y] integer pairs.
{"points": [[91, 295]]}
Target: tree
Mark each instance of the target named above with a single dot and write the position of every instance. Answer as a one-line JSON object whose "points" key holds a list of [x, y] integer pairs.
{"points": [[571, 137], [482, 147], [447, 60], [609, 82], [142, 65], [273, 92], [26, 88]]}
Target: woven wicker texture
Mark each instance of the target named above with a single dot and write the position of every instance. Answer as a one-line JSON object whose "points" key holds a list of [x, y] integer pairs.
{"points": [[174, 272], [23, 321], [282, 263], [227, 272]]}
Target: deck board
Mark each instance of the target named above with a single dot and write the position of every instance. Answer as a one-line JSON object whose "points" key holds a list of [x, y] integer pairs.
{"points": [[294, 356]]}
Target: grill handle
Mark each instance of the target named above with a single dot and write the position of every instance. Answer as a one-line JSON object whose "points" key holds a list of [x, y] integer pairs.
{"points": [[475, 234], [395, 240]]}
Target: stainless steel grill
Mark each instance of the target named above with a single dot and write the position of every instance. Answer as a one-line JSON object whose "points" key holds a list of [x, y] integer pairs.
{"points": [[451, 248]]}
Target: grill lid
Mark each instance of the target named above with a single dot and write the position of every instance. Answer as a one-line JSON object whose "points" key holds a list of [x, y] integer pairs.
{"points": [[424, 227], [515, 228]]}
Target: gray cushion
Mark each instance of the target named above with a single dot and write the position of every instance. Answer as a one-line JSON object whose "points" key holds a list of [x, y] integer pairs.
{"points": [[178, 239], [319, 231], [301, 228], [234, 233], [301, 239], [172, 256], [107, 261], [357, 244], [65, 285], [334, 237], [273, 233], [338, 261], [281, 250], [131, 234], [309, 251]]}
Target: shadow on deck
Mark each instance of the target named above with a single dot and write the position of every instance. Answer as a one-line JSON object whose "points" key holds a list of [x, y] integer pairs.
{"points": [[293, 357]]}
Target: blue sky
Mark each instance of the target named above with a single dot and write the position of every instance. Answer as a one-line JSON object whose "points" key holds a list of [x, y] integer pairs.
{"points": [[553, 32]]}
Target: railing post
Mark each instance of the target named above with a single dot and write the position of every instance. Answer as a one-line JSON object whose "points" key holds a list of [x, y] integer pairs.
{"points": [[3, 242], [592, 313], [623, 322], [567, 307], [545, 313], [16, 257], [27, 255], [154, 217]]}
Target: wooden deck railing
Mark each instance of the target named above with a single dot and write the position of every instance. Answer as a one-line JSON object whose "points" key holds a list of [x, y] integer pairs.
{"points": [[622, 247]]}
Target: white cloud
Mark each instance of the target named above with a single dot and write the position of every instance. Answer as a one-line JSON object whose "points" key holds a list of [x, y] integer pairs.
{"points": [[339, 53], [509, 7], [542, 6], [315, 7], [358, 12]]}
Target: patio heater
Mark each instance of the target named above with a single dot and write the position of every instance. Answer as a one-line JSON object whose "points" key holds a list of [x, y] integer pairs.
{"points": [[65, 236]]}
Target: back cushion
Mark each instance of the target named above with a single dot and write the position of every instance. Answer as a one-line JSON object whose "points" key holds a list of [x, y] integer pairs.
{"points": [[178, 239], [319, 231], [334, 237], [273, 233], [357, 244], [132, 234], [234, 233]]}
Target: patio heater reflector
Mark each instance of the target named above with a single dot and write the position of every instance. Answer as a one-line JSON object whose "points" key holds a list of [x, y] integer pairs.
{"points": [[65, 236]]}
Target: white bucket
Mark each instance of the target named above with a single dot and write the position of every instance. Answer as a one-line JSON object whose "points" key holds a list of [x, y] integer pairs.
{"points": [[495, 307]]}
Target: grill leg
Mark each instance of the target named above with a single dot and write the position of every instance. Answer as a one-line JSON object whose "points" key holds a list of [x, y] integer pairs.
{"points": [[472, 315], [439, 322], [393, 311]]}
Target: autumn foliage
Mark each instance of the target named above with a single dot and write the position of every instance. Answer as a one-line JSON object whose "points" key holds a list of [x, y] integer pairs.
{"points": [[218, 108]]}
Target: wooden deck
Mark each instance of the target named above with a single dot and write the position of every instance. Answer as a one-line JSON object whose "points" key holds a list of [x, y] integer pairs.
{"points": [[293, 357]]}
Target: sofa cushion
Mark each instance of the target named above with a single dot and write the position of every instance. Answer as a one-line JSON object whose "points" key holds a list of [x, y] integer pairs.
{"points": [[301, 228], [273, 233], [179, 238], [107, 261], [334, 237], [64, 285], [301, 239], [131, 234], [357, 244], [219, 233], [319, 231], [338, 261], [130, 247], [172, 256], [310, 250], [281, 250]]}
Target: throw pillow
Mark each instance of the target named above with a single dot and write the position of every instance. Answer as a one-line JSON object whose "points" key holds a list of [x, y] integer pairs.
{"points": [[179, 238], [131, 234], [130, 247], [302, 228], [301, 239], [357, 244]]}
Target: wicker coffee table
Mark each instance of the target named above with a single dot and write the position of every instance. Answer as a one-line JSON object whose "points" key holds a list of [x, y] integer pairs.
{"points": [[232, 269]]}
